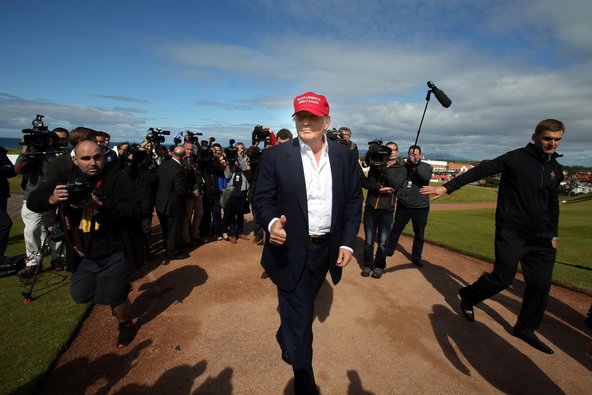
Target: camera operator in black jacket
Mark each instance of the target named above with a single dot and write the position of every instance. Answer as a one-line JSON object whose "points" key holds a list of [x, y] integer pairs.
{"points": [[32, 164], [378, 211], [141, 168], [210, 168]]}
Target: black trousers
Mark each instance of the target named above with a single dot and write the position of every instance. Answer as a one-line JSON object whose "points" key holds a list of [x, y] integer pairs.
{"points": [[297, 315], [5, 226], [419, 220], [172, 227], [537, 257]]}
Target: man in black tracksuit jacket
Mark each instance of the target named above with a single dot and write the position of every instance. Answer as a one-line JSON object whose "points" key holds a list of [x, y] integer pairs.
{"points": [[527, 218]]}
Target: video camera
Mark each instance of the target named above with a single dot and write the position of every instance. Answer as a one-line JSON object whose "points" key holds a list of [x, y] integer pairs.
{"points": [[156, 135], [204, 153], [377, 154], [333, 134], [39, 139], [231, 152], [260, 133], [188, 137], [139, 153]]}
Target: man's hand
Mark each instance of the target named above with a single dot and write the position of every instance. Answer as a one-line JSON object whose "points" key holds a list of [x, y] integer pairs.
{"points": [[59, 195], [554, 244], [439, 191], [94, 202], [278, 233], [387, 190], [344, 257]]}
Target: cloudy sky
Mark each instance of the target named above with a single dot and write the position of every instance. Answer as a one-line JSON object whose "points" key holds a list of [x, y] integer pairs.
{"points": [[222, 67]]}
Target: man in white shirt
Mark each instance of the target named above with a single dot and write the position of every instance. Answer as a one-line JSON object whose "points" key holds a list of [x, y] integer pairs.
{"points": [[312, 217]]}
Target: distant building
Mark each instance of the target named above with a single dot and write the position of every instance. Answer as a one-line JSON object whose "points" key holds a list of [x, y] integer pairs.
{"points": [[459, 168]]}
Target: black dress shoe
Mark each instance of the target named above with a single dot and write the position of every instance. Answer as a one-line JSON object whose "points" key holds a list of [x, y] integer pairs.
{"points": [[179, 256], [532, 339], [417, 262], [285, 356], [467, 310]]}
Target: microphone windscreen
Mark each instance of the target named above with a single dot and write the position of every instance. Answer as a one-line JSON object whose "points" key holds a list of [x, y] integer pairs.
{"points": [[442, 98]]}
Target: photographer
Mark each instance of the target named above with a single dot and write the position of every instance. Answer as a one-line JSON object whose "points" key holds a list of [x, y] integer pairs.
{"points": [[100, 211], [237, 187], [411, 204], [254, 155], [210, 169], [221, 183], [39, 147], [194, 204], [143, 170], [7, 171], [379, 207], [346, 133]]}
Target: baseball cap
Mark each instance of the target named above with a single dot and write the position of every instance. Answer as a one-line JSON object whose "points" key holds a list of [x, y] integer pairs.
{"points": [[311, 102]]}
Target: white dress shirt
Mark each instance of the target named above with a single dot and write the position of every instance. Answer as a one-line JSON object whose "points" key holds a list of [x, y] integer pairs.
{"points": [[319, 189]]}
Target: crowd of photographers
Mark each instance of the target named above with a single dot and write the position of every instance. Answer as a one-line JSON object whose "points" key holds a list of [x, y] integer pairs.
{"points": [[215, 188], [199, 190]]}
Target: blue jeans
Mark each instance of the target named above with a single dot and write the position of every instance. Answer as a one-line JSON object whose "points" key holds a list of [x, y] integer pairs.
{"points": [[376, 222]]}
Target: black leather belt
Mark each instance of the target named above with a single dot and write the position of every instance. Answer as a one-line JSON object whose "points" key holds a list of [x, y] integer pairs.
{"points": [[317, 239]]}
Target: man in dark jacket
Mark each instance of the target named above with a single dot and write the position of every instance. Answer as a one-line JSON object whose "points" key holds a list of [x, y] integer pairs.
{"points": [[378, 214], [171, 198], [526, 220], [411, 205], [102, 222], [7, 171]]}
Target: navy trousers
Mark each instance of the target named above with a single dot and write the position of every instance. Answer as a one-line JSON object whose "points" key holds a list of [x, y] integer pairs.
{"points": [[297, 315]]}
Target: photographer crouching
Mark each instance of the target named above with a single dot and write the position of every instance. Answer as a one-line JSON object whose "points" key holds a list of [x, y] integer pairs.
{"points": [[101, 217]]}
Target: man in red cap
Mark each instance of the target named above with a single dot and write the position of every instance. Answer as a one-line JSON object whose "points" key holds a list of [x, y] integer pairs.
{"points": [[312, 218]]}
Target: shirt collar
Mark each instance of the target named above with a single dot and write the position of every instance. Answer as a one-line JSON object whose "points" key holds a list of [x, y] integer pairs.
{"points": [[304, 147]]}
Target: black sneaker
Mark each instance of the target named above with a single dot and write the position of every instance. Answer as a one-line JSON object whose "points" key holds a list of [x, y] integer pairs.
{"points": [[127, 332]]}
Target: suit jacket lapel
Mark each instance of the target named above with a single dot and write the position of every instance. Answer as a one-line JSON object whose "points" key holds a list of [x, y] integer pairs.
{"points": [[297, 176], [337, 165]]}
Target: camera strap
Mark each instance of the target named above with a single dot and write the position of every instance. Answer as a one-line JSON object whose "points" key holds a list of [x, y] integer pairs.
{"points": [[71, 233]]}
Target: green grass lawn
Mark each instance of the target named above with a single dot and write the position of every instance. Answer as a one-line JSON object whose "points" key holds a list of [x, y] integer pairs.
{"points": [[33, 335], [472, 232]]}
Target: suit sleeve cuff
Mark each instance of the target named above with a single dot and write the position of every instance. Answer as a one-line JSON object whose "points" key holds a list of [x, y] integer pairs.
{"points": [[347, 248], [273, 221]]}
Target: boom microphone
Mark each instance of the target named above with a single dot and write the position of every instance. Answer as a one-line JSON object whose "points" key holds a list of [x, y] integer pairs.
{"points": [[441, 96]]}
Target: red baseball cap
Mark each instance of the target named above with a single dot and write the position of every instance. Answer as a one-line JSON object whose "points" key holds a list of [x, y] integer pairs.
{"points": [[311, 102]]}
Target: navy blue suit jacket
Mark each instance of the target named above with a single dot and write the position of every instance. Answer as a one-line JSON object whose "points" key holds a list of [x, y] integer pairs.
{"points": [[281, 189]]}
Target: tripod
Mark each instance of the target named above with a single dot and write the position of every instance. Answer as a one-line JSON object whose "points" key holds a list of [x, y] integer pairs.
{"points": [[55, 234]]}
